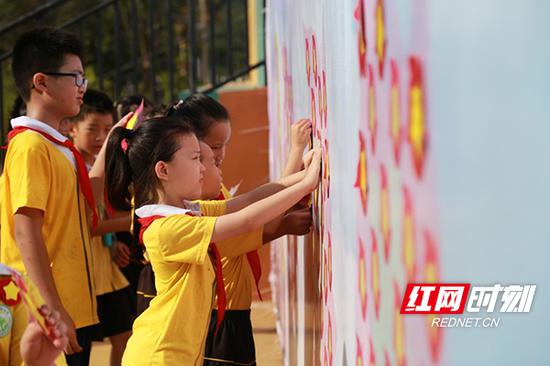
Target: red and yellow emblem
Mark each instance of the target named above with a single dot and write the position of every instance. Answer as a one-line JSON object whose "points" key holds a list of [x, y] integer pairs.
{"points": [[362, 280], [375, 273], [320, 103], [9, 293], [417, 131], [308, 64], [325, 276], [431, 275], [372, 118], [359, 15], [372, 356], [313, 111], [314, 57], [385, 212], [361, 182], [326, 171], [395, 112], [380, 36], [359, 354], [329, 261], [329, 338], [325, 106], [399, 328], [409, 237], [387, 358]]}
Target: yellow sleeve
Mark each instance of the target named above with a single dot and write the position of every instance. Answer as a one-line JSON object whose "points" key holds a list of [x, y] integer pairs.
{"points": [[28, 169], [213, 208], [242, 244], [181, 238]]}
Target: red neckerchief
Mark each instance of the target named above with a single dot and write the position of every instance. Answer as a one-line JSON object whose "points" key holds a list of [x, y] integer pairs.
{"points": [[213, 251], [81, 171], [253, 260]]}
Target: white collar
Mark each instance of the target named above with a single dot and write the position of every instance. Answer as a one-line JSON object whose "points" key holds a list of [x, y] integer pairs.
{"points": [[167, 210], [5, 270], [25, 121]]}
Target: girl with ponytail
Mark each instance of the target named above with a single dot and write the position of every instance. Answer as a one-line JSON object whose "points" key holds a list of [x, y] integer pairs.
{"points": [[160, 164]]}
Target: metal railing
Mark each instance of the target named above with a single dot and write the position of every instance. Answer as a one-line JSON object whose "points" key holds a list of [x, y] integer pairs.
{"points": [[161, 49]]}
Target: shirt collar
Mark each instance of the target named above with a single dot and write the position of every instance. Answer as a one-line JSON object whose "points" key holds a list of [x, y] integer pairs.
{"points": [[25, 121], [165, 210]]}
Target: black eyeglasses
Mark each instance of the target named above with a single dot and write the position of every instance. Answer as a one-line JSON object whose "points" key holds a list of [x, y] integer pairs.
{"points": [[79, 80]]}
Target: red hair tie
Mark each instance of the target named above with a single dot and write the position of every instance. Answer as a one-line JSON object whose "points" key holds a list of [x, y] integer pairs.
{"points": [[124, 144]]}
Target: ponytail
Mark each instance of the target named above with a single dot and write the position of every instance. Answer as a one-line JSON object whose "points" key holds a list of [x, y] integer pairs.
{"points": [[118, 172]]}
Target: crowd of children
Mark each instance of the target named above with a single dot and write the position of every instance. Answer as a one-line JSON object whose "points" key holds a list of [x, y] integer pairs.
{"points": [[129, 233]]}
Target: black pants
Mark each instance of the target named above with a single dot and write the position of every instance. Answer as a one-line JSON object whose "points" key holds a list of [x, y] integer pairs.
{"points": [[234, 342], [84, 337]]}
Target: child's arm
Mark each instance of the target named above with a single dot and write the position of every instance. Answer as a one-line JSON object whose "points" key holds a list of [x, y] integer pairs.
{"points": [[299, 138], [97, 173], [28, 235], [295, 222], [113, 225], [267, 209], [239, 202]]}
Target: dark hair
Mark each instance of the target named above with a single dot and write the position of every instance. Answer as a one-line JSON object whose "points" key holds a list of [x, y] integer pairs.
{"points": [[94, 102], [133, 170], [126, 104], [158, 110], [41, 50], [201, 110], [18, 108]]}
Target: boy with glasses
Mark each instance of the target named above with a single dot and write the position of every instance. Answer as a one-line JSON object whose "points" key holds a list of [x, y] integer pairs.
{"points": [[46, 192]]}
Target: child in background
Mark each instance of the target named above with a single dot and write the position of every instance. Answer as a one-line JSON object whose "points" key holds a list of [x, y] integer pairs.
{"points": [[160, 162], [130, 103], [234, 343], [89, 130]]}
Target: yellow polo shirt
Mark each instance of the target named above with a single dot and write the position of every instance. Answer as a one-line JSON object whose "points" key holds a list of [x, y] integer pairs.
{"points": [[37, 175], [172, 331], [237, 274]]}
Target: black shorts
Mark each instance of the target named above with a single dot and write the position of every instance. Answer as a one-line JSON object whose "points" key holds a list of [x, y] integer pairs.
{"points": [[234, 342], [133, 269], [146, 289], [115, 313]]}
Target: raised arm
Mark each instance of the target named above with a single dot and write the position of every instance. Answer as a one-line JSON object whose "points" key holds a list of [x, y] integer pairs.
{"points": [[113, 225], [267, 209], [97, 173], [266, 190]]}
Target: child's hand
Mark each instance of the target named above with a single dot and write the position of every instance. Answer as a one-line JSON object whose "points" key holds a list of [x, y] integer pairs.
{"points": [[300, 134], [72, 346], [307, 158], [36, 347], [123, 121], [121, 254], [297, 221], [311, 179]]}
